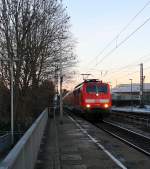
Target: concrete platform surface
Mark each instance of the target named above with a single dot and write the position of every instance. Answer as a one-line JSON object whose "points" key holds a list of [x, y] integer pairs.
{"points": [[66, 146]]}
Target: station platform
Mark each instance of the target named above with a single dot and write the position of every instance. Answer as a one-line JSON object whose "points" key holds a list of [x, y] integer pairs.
{"points": [[67, 146]]}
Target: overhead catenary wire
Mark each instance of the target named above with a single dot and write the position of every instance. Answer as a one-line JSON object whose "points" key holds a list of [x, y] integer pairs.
{"points": [[123, 68], [123, 41], [133, 64], [122, 30], [125, 76]]}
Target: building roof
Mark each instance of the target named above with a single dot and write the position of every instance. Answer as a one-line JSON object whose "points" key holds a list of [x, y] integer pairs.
{"points": [[126, 88]]}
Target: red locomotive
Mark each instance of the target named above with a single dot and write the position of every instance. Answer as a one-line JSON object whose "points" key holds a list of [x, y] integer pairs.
{"points": [[92, 97]]}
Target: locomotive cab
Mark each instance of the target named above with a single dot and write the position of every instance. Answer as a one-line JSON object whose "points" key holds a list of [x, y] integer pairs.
{"points": [[96, 95], [92, 97]]}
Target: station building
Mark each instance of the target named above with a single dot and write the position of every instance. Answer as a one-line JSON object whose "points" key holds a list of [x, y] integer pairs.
{"points": [[121, 94]]}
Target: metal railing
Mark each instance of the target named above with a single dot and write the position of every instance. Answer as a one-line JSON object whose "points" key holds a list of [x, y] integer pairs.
{"points": [[5, 141], [24, 154]]}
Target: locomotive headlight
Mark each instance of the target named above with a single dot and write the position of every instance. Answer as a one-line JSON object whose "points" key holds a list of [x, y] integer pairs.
{"points": [[90, 100], [104, 100], [106, 105], [88, 106]]}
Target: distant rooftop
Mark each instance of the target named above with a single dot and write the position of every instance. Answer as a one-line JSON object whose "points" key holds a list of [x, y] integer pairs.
{"points": [[126, 88]]}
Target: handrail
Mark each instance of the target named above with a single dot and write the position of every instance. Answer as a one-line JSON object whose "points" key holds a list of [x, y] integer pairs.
{"points": [[24, 154]]}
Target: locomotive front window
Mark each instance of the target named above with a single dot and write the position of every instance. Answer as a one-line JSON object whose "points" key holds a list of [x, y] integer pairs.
{"points": [[102, 89], [96, 89], [91, 89]]}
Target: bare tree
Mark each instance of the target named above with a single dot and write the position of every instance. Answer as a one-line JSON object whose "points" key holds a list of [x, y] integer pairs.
{"points": [[36, 32]]}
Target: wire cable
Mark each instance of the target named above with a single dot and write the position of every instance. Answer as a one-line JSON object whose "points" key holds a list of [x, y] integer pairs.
{"points": [[133, 64], [128, 74], [123, 41], [123, 29]]}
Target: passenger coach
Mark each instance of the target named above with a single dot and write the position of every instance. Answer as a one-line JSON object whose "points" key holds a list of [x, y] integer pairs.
{"points": [[92, 98]]}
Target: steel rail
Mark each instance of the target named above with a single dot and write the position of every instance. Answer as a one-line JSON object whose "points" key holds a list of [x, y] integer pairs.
{"points": [[131, 136]]}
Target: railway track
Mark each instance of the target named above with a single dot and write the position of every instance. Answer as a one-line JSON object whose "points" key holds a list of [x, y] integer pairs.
{"points": [[142, 120], [135, 140], [129, 148]]}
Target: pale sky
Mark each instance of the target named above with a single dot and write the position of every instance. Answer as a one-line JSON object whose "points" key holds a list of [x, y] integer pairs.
{"points": [[95, 23]]}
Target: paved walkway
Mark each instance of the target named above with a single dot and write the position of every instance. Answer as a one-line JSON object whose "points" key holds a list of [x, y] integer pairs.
{"points": [[48, 157], [65, 146]]}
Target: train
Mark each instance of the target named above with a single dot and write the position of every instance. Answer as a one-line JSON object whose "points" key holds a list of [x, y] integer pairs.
{"points": [[91, 98]]}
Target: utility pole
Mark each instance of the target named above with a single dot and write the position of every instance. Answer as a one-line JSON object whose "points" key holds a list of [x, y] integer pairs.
{"points": [[12, 101], [61, 101], [11, 61], [56, 79], [141, 85], [116, 83], [55, 101]]}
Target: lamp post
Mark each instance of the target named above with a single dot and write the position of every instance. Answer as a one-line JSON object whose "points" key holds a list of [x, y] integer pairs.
{"points": [[131, 98], [60, 85], [11, 61], [12, 101], [61, 101]]}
